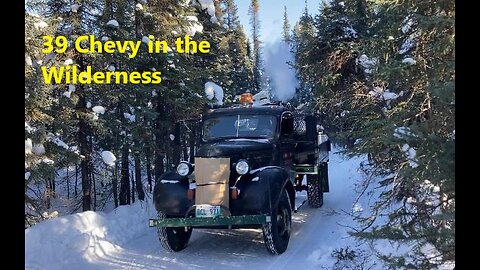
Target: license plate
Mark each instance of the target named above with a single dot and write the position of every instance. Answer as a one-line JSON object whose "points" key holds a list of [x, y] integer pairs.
{"points": [[207, 210]]}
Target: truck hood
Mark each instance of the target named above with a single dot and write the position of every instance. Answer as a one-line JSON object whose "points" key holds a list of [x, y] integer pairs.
{"points": [[234, 147]]}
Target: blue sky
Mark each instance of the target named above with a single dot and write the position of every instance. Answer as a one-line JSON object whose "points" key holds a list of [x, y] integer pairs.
{"points": [[271, 16]]}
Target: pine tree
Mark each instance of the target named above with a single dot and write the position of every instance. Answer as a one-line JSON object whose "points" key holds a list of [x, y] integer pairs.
{"points": [[240, 65], [230, 15], [37, 119], [371, 68], [256, 52], [286, 26], [415, 44], [301, 42], [73, 20]]}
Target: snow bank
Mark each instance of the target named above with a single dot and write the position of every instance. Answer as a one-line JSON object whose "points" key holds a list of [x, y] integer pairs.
{"points": [[214, 90], [79, 239], [122, 239]]}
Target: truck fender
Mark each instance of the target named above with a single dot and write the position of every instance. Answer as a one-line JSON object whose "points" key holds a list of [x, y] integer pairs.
{"points": [[268, 185], [170, 194]]}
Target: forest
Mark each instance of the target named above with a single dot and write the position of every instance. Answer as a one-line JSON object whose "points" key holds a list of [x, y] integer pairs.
{"points": [[380, 73]]}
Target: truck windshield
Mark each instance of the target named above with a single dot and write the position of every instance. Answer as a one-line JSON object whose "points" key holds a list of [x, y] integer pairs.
{"points": [[240, 126]]}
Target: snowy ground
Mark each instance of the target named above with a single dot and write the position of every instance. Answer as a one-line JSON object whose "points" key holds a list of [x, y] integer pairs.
{"points": [[122, 239]]}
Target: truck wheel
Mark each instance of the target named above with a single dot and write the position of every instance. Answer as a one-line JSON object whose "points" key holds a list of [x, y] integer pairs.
{"points": [[314, 191], [173, 238], [276, 233]]}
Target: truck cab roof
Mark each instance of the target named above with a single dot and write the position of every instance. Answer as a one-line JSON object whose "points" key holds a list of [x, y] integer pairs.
{"points": [[275, 110]]}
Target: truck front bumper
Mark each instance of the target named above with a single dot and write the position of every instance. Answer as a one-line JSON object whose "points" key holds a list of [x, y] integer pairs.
{"points": [[207, 221]]}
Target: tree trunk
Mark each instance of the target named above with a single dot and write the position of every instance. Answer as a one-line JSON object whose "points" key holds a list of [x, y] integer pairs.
{"points": [[149, 171], [192, 140], [125, 178], [48, 193], [94, 190], [83, 133], [84, 167], [68, 185], [138, 22], [159, 138], [53, 187], [76, 180], [84, 151], [133, 187], [115, 185], [183, 144], [138, 177]]}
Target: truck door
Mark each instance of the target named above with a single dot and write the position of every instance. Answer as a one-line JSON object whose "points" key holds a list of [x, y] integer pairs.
{"points": [[287, 143]]}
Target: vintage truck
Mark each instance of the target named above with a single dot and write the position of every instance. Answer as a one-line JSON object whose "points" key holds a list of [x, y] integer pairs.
{"points": [[247, 168]]}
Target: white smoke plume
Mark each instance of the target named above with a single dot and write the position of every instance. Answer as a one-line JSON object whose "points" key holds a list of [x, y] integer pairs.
{"points": [[282, 75]]}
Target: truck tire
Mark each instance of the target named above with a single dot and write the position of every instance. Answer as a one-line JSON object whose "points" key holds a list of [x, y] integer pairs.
{"points": [[173, 238], [276, 233], [314, 191]]}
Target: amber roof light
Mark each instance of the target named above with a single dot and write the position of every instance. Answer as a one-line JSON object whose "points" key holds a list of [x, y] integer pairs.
{"points": [[246, 98]]}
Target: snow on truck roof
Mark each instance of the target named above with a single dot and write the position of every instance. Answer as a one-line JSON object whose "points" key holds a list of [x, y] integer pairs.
{"points": [[276, 110]]}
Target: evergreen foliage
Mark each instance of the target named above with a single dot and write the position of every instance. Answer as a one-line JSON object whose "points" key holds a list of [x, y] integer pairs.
{"points": [[65, 134], [382, 75]]}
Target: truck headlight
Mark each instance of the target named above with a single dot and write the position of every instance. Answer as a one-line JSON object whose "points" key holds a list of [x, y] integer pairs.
{"points": [[184, 168], [242, 167]]}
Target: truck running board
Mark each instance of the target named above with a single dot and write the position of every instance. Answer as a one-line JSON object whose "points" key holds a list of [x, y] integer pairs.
{"points": [[209, 221]]}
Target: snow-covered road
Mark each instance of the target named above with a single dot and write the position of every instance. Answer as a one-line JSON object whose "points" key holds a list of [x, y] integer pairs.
{"points": [[122, 239]]}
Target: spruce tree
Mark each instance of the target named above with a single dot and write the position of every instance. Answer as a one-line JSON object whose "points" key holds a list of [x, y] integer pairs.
{"points": [[240, 65], [301, 41], [256, 52], [384, 76], [286, 27], [415, 123]]}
